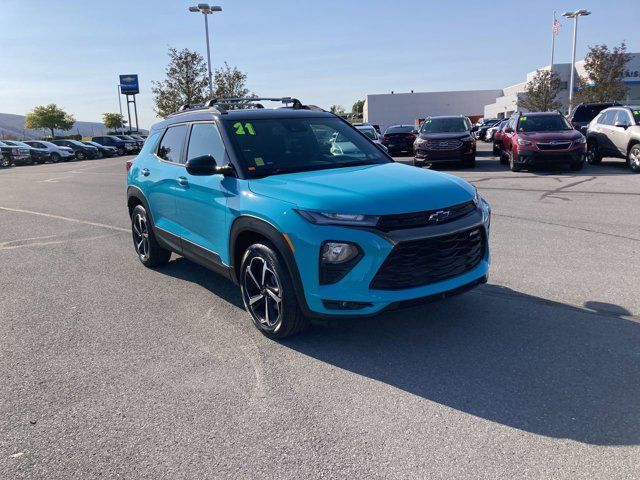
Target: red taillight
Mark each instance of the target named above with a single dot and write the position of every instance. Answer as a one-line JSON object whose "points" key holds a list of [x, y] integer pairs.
{"points": [[129, 164]]}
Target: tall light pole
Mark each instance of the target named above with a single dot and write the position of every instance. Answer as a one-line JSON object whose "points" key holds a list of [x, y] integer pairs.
{"points": [[206, 10], [574, 15], [120, 104]]}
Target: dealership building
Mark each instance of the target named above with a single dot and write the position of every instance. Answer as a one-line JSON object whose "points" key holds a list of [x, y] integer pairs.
{"points": [[411, 108]]}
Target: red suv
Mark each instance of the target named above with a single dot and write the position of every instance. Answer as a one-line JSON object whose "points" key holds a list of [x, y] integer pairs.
{"points": [[541, 138]]}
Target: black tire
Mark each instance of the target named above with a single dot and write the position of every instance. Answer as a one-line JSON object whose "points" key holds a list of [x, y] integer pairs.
{"points": [[265, 278], [512, 163], [469, 163], [120, 151], [149, 252], [593, 153], [576, 167], [55, 157], [496, 150], [418, 163], [504, 158], [633, 158], [5, 162]]}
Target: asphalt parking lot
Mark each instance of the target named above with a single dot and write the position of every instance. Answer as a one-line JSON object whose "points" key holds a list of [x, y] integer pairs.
{"points": [[113, 370]]}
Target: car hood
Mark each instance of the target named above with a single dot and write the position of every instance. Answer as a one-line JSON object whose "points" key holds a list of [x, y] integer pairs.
{"points": [[371, 189], [566, 135], [444, 136]]}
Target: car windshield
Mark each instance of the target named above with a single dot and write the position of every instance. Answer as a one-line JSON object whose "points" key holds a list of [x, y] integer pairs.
{"points": [[76, 142], [285, 145], [542, 123], [369, 132], [444, 125], [125, 137], [586, 113], [636, 114], [399, 129]]}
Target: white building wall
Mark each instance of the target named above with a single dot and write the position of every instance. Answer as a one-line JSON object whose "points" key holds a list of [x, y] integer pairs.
{"points": [[406, 108]]}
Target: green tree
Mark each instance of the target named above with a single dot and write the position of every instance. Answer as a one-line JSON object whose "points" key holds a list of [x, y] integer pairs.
{"points": [[337, 109], [604, 74], [49, 117], [230, 82], [112, 121], [358, 107], [186, 82], [541, 92]]}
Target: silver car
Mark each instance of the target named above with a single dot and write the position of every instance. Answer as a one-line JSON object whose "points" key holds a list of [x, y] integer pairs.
{"points": [[56, 152], [615, 132]]}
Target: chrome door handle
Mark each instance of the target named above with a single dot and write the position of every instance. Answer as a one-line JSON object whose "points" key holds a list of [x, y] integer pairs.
{"points": [[183, 181], [145, 172]]}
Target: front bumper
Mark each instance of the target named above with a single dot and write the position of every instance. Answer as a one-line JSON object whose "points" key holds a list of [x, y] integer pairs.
{"points": [[354, 289], [443, 156], [546, 157]]}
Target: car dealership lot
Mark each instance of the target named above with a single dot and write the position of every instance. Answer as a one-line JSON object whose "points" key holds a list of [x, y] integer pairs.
{"points": [[112, 369]]}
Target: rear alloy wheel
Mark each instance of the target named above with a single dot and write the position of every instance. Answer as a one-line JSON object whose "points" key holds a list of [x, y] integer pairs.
{"points": [[5, 161], [150, 253], [593, 153], [633, 157], [55, 157], [80, 155], [120, 151], [268, 294]]}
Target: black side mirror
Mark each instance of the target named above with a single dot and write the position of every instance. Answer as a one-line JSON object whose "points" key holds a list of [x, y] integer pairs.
{"points": [[474, 128], [203, 165], [624, 125]]}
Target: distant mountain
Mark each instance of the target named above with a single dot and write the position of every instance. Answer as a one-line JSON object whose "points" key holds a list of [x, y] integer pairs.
{"points": [[13, 126]]}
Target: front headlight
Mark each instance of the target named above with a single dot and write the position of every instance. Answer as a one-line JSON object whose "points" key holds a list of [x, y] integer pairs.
{"points": [[522, 141], [347, 219], [484, 206], [420, 141], [580, 141]]}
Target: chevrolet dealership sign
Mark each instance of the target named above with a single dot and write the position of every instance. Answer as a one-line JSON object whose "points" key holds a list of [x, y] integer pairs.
{"points": [[129, 84]]}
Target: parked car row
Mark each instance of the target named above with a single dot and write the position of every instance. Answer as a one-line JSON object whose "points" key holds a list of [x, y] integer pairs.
{"points": [[531, 138], [14, 152]]}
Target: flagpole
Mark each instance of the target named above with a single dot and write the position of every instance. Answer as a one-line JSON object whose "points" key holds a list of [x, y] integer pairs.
{"points": [[553, 40]]}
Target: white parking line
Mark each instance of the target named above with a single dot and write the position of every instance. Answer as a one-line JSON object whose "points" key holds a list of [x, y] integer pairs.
{"points": [[67, 219]]}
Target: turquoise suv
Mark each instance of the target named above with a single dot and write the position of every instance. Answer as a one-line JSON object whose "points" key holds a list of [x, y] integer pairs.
{"points": [[306, 229]]}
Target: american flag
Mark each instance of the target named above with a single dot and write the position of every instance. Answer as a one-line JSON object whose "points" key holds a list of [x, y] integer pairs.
{"points": [[556, 26]]}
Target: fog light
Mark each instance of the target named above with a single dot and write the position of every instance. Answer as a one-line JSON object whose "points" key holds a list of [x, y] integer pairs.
{"points": [[336, 260], [333, 252]]}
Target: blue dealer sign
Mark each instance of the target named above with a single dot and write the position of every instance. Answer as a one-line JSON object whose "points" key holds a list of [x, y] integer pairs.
{"points": [[129, 84]]}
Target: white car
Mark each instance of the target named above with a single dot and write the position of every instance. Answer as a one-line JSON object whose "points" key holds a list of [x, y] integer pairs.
{"points": [[370, 132], [56, 152]]}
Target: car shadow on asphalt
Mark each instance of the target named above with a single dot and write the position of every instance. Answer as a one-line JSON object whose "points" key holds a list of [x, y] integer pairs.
{"points": [[525, 362], [183, 269]]}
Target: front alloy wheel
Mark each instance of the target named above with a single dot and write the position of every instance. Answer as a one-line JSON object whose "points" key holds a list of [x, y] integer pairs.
{"points": [[263, 294], [150, 253], [634, 158], [79, 156], [268, 292], [140, 231], [593, 155]]}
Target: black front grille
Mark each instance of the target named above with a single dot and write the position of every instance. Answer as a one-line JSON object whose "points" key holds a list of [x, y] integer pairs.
{"points": [[424, 218], [420, 262], [447, 144], [553, 145]]}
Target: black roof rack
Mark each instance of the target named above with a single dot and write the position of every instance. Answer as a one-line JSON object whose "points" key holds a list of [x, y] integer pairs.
{"points": [[219, 103]]}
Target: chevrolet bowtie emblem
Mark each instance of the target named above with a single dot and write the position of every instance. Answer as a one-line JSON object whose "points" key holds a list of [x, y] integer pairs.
{"points": [[438, 216]]}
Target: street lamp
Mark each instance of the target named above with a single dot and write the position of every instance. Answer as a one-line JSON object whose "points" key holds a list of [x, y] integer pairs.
{"points": [[206, 9], [574, 15]]}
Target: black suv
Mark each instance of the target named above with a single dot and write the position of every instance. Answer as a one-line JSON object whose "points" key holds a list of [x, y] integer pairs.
{"points": [[37, 155], [10, 155], [445, 139], [124, 147], [399, 138], [585, 112], [81, 150]]}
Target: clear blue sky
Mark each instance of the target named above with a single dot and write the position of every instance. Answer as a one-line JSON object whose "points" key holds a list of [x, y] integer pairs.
{"points": [[323, 52]]}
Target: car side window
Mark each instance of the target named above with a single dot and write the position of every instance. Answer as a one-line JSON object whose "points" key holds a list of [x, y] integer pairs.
{"points": [[623, 117], [607, 117], [172, 144], [205, 140]]}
